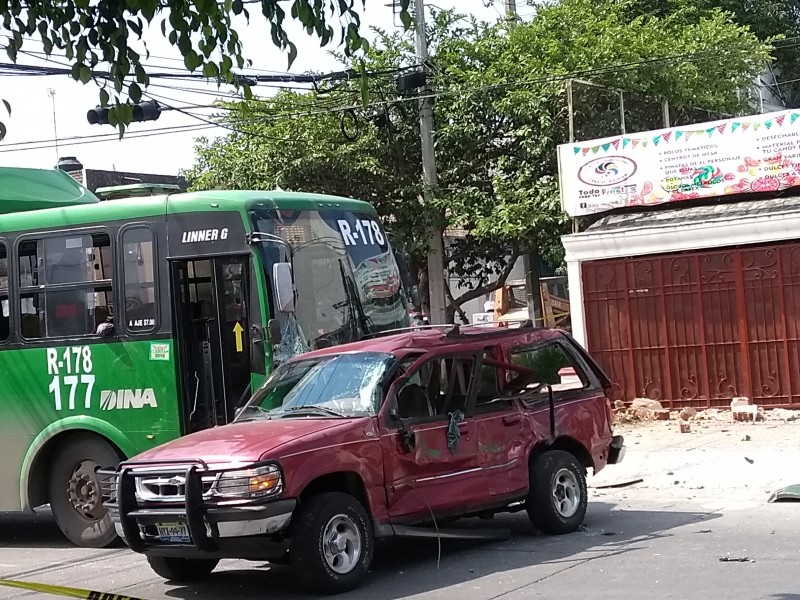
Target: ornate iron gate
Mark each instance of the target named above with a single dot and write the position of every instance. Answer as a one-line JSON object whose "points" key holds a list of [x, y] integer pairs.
{"points": [[697, 329]]}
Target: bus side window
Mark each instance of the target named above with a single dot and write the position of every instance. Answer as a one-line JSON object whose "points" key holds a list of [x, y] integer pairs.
{"points": [[31, 319], [81, 266], [139, 293], [5, 316]]}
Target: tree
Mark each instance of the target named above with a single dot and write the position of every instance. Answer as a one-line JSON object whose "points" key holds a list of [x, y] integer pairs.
{"points": [[109, 32], [500, 114], [775, 21]]}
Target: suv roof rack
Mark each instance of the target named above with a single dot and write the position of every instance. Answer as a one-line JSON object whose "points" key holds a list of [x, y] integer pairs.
{"points": [[456, 329], [404, 330], [452, 329]]}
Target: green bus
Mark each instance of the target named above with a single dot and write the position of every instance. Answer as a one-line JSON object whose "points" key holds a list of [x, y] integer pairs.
{"points": [[128, 322]]}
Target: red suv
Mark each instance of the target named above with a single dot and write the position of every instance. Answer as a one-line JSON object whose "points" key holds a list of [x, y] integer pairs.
{"points": [[371, 440]]}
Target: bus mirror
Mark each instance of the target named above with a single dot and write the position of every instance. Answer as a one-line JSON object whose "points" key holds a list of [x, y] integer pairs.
{"points": [[274, 332], [284, 286]]}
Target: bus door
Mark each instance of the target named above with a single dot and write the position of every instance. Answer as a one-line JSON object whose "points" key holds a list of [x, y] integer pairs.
{"points": [[213, 325]]}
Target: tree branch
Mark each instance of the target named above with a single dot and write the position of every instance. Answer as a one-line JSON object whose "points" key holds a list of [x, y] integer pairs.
{"points": [[449, 293], [489, 287]]}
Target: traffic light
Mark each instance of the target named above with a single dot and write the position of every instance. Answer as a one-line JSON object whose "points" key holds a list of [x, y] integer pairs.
{"points": [[97, 116], [144, 111]]}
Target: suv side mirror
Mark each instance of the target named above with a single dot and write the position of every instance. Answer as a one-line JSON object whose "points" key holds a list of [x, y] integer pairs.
{"points": [[284, 286]]}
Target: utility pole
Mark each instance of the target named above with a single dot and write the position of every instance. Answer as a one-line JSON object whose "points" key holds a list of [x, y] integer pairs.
{"points": [[436, 270], [52, 93], [530, 260]]}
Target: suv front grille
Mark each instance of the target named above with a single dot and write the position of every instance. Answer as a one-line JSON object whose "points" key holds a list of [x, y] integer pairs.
{"points": [[167, 487]]}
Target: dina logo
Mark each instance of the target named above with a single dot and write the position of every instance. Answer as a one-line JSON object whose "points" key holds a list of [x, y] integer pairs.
{"points": [[127, 399], [609, 170]]}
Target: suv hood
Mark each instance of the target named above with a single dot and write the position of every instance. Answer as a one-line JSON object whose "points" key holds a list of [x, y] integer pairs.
{"points": [[244, 442]]}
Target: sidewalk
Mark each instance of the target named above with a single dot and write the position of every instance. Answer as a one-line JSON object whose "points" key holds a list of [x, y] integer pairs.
{"points": [[721, 459]]}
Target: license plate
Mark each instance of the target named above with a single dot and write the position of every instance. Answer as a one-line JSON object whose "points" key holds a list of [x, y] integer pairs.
{"points": [[173, 533]]}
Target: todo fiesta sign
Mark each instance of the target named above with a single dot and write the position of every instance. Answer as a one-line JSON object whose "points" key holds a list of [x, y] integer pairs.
{"points": [[722, 158]]}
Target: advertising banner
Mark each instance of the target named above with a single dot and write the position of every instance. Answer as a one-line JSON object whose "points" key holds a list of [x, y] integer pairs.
{"points": [[743, 155]]}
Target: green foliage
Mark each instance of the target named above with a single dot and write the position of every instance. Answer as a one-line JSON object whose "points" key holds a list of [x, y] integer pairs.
{"points": [[770, 20], [545, 364], [109, 34], [501, 111]]}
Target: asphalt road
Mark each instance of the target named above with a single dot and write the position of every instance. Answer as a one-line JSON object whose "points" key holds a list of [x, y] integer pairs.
{"points": [[663, 538]]}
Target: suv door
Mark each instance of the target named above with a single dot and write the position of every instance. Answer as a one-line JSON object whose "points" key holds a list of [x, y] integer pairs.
{"points": [[581, 408], [498, 425], [430, 450]]}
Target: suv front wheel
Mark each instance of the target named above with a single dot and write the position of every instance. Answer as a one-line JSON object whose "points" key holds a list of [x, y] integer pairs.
{"points": [[556, 503], [332, 543]]}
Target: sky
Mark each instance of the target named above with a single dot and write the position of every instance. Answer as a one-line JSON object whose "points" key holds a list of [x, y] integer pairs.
{"points": [[33, 111]]}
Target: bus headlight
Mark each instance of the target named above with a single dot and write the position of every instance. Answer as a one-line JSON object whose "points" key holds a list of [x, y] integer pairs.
{"points": [[250, 483]]}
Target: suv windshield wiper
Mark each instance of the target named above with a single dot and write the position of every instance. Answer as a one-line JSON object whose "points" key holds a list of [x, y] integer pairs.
{"points": [[253, 413], [314, 409]]}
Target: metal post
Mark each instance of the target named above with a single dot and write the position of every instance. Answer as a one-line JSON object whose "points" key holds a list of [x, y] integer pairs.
{"points": [[571, 112], [436, 270], [52, 93], [533, 290]]}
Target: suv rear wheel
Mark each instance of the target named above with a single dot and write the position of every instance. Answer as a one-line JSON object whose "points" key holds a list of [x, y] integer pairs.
{"points": [[182, 570], [556, 503], [332, 543]]}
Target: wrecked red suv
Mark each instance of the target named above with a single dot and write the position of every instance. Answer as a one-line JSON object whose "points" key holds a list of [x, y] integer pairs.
{"points": [[371, 440]]}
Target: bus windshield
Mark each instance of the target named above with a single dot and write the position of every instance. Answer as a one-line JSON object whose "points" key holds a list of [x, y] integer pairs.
{"points": [[347, 280]]}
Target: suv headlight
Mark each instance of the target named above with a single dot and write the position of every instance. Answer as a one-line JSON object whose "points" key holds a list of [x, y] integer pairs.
{"points": [[250, 483]]}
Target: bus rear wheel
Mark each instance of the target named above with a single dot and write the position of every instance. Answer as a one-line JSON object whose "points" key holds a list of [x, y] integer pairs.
{"points": [[75, 493]]}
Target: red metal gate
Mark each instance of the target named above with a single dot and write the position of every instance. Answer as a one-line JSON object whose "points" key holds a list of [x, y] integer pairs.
{"points": [[697, 329]]}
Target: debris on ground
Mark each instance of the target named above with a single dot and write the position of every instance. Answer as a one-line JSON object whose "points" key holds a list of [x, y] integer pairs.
{"points": [[741, 409], [782, 414], [746, 438], [685, 427], [619, 484], [742, 559], [790, 493], [750, 460]]}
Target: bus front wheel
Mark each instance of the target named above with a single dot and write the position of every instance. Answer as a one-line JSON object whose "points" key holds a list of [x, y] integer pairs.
{"points": [[75, 492]]}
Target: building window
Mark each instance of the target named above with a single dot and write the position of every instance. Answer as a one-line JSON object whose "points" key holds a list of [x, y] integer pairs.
{"points": [[65, 286], [139, 269], [5, 308]]}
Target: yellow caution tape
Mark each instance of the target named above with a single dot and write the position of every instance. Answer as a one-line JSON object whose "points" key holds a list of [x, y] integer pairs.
{"points": [[68, 592]]}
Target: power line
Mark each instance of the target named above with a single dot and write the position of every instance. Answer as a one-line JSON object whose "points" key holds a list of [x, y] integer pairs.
{"points": [[110, 137], [207, 124]]}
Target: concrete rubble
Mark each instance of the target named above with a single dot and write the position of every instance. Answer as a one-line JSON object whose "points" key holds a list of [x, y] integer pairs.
{"points": [[646, 409]]}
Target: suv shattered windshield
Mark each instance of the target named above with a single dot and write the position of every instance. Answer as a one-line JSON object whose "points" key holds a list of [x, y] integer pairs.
{"points": [[347, 385]]}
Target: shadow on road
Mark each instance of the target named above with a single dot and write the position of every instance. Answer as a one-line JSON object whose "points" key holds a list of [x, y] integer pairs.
{"points": [[31, 531], [403, 568]]}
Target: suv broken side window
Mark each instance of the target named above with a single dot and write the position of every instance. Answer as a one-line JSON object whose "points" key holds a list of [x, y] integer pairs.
{"points": [[440, 386], [548, 364]]}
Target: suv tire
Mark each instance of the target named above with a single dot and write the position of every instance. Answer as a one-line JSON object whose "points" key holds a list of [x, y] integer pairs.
{"points": [[556, 503], [182, 570], [332, 543]]}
